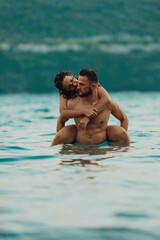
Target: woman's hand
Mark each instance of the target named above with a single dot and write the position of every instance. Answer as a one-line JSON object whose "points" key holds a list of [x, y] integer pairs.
{"points": [[90, 113], [83, 123]]}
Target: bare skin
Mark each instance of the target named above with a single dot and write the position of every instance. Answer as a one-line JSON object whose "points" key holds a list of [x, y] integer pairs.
{"points": [[67, 134], [69, 83], [90, 125]]}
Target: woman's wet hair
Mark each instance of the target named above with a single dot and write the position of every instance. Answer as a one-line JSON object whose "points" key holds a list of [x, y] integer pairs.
{"points": [[58, 81]]}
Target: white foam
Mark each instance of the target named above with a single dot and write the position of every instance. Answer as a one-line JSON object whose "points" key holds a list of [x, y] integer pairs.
{"points": [[134, 38], [4, 46], [44, 48], [119, 43], [123, 48]]}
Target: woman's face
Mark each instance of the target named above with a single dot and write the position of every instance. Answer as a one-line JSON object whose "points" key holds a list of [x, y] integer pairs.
{"points": [[70, 83]]}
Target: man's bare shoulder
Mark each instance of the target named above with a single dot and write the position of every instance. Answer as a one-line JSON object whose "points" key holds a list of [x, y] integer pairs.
{"points": [[113, 106]]}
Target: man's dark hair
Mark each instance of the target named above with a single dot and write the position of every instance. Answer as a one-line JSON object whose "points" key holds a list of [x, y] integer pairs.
{"points": [[58, 81], [91, 74]]}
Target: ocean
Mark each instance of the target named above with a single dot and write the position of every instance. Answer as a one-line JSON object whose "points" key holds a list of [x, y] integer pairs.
{"points": [[119, 39], [78, 192]]}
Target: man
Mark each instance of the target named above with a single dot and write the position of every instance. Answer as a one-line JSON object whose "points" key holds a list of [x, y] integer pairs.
{"points": [[92, 129]]}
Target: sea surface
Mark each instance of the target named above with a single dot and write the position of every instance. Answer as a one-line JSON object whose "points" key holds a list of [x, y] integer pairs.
{"points": [[120, 39], [78, 192]]}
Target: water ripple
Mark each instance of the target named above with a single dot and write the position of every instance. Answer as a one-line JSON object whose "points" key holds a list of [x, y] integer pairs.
{"points": [[87, 192], [20, 158], [80, 233]]}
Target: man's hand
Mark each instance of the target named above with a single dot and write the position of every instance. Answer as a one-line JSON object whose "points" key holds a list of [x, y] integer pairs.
{"points": [[83, 123], [61, 123], [90, 113]]}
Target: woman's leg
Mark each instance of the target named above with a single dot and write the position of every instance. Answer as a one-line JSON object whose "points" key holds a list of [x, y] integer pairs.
{"points": [[66, 135], [117, 134]]}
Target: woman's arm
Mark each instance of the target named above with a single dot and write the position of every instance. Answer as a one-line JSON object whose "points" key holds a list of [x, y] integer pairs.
{"points": [[88, 112], [104, 100], [65, 113]]}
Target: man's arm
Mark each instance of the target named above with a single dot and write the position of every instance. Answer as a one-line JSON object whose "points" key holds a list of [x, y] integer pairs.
{"points": [[61, 123], [117, 112]]}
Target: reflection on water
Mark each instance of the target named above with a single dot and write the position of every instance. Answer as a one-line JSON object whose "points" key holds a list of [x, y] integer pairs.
{"points": [[99, 153], [79, 161]]}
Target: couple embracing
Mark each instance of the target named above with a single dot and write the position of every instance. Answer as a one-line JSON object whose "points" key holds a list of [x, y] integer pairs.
{"points": [[85, 100]]}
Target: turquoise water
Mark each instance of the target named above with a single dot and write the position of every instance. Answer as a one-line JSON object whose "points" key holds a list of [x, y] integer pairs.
{"points": [[120, 39], [78, 192]]}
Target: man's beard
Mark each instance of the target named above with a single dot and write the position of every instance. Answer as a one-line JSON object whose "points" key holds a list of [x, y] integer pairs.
{"points": [[86, 94]]}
